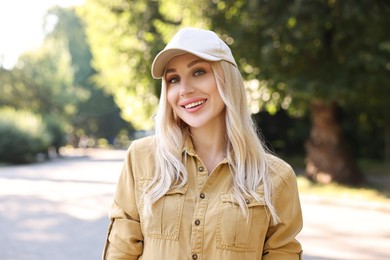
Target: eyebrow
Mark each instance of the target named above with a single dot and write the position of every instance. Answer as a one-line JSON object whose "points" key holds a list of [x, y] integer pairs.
{"points": [[189, 65], [192, 63], [169, 71]]}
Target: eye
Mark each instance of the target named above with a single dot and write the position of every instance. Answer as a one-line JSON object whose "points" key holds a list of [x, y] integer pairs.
{"points": [[199, 72], [172, 79]]}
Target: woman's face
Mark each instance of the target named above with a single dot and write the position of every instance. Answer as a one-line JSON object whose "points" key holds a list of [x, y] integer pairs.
{"points": [[192, 91]]}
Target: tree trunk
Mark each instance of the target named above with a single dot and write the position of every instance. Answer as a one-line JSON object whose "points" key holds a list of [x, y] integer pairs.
{"points": [[328, 156]]}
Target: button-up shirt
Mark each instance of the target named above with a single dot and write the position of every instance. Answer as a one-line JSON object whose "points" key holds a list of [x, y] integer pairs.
{"points": [[201, 220]]}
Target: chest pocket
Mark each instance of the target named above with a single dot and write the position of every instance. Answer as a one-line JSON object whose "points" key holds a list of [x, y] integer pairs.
{"points": [[165, 220], [236, 232]]}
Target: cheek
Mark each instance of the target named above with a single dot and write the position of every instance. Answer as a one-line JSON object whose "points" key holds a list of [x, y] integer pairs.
{"points": [[220, 104], [172, 96], [217, 96]]}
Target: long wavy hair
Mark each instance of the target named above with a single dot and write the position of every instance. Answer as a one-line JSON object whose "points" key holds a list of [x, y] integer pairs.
{"points": [[246, 154]]}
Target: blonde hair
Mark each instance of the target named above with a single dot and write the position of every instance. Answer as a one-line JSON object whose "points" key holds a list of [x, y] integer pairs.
{"points": [[246, 154]]}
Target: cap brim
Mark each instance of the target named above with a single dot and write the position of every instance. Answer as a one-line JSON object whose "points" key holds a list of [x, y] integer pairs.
{"points": [[162, 59]]}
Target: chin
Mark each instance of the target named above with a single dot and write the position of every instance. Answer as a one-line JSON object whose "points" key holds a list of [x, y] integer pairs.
{"points": [[193, 124]]}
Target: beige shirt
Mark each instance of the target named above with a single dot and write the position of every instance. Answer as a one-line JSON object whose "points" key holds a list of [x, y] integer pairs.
{"points": [[200, 220]]}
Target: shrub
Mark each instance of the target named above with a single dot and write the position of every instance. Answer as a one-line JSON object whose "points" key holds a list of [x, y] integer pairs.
{"points": [[56, 128], [22, 136]]}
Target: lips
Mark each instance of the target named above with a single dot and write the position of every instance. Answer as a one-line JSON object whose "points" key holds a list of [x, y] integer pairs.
{"points": [[192, 104]]}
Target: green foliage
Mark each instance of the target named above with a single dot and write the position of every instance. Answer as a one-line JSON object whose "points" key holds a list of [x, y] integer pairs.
{"points": [[319, 49], [290, 53], [283, 134], [22, 136], [297, 51], [97, 114], [56, 127], [42, 82], [55, 82], [125, 35]]}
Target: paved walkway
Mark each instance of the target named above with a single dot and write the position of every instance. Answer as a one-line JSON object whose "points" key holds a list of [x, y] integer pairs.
{"points": [[58, 210]]}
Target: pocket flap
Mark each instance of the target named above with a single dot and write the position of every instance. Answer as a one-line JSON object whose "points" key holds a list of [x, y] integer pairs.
{"points": [[251, 202], [177, 190]]}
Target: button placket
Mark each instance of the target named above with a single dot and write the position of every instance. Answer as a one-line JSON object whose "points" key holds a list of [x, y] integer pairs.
{"points": [[202, 173], [197, 234]]}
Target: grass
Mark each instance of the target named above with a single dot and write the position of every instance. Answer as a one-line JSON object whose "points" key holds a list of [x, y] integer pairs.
{"points": [[376, 189], [334, 190]]}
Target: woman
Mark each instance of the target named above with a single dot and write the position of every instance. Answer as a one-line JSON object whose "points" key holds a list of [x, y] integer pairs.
{"points": [[203, 187]]}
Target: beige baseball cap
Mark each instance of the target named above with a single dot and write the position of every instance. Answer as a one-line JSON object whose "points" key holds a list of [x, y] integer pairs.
{"points": [[202, 43]]}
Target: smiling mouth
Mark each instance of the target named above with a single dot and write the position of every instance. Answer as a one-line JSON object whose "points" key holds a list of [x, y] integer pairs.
{"points": [[195, 104]]}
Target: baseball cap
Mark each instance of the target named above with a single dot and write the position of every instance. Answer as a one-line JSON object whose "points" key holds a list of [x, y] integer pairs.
{"points": [[202, 43]]}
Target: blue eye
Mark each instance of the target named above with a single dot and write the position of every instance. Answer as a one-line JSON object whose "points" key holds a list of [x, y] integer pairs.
{"points": [[173, 80], [199, 72]]}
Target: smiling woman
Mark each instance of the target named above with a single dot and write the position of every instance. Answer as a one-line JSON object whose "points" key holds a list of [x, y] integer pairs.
{"points": [[192, 93], [21, 26], [203, 187]]}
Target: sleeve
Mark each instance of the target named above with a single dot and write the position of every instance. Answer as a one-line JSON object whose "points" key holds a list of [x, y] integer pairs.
{"points": [[124, 238], [281, 240]]}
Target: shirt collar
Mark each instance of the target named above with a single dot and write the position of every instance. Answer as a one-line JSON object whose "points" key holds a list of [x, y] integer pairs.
{"points": [[189, 147], [190, 150]]}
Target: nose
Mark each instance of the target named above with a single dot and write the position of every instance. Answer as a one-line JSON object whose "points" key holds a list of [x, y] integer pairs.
{"points": [[186, 87]]}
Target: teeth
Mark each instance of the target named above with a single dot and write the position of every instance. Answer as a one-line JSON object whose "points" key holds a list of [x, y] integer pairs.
{"points": [[194, 104]]}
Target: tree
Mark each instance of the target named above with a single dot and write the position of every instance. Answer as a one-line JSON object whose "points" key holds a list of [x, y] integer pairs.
{"points": [[41, 82], [54, 80], [295, 55], [125, 35], [42, 85], [331, 54], [97, 108]]}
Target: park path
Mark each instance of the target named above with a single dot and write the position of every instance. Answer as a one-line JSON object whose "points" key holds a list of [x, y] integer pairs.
{"points": [[58, 210]]}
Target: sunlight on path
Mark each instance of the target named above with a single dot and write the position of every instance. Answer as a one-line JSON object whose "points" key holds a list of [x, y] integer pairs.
{"points": [[337, 231], [57, 209]]}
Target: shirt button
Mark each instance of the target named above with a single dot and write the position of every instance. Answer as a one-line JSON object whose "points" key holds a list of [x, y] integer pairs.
{"points": [[247, 201], [197, 222], [202, 196], [201, 168], [194, 256]]}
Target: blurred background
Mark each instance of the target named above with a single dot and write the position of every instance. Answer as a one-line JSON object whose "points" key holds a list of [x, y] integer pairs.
{"points": [[75, 82]]}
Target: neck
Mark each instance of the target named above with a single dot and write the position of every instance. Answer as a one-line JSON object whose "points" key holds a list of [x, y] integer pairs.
{"points": [[210, 144]]}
